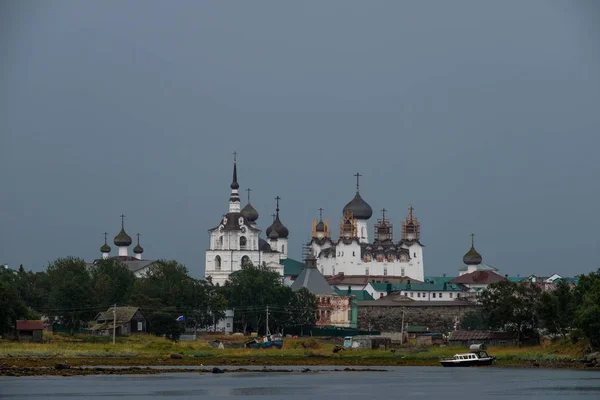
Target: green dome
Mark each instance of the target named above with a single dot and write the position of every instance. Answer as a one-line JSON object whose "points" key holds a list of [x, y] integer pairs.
{"points": [[249, 212], [105, 248], [138, 249], [472, 257], [122, 239], [273, 234]]}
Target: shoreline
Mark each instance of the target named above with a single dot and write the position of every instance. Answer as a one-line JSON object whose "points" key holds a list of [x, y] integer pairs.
{"points": [[77, 366]]}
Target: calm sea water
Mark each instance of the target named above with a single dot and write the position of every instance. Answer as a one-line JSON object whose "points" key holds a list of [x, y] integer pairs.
{"points": [[404, 382]]}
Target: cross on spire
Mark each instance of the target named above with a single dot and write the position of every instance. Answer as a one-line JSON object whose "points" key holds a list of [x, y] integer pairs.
{"points": [[122, 221], [248, 190], [410, 211], [138, 237], [235, 157], [105, 235], [357, 175], [321, 214], [383, 210], [472, 240], [273, 215]]}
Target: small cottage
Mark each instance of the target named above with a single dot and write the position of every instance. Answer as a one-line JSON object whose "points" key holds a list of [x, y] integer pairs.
{"points": [[128, 320], [30, 330]]}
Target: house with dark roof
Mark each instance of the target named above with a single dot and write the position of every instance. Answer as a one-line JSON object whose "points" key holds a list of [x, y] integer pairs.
{"points": [[127, 320]]}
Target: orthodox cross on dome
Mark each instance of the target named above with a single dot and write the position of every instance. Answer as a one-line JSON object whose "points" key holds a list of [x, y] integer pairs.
{"points": [[105, 235], [138, 237], [234, 157], [321, 214], [248, 190], [122, 221], [410, 211], [277, 204], [273, 215], [383, 210], [472, 240], [357, 175]]}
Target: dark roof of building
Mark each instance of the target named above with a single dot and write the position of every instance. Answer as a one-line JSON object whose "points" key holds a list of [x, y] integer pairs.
{"points": [[359, 294], [311, 279], [29, 324], [479, 277], [231, 222], [480, 335], [472, 257], [360, 209], [264, 246], [104, 320]]}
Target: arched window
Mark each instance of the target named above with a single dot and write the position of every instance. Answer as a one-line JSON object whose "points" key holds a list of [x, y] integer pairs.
{"points": [[220, 242], [217, 263], [362, 232], [283, 248], [243, 242], [333, 272], [384, 270], [245, 261]]}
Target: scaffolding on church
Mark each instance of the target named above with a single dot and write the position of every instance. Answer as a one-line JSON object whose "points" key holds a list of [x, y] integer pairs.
{"points": [[411, 227], [348, 225]]}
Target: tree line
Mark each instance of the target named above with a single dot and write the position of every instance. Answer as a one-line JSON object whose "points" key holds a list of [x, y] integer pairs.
{"points": [[72, 292], [526, 310]]}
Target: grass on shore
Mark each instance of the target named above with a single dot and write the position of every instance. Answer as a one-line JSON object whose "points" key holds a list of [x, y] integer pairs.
{"points": [[150, 347]]}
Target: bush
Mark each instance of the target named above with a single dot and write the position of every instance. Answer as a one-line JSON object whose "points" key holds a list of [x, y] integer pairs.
{"points": [[310, 343]]}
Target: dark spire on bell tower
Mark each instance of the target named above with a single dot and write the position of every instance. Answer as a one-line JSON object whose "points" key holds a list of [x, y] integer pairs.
{"points": [[234, 198]]}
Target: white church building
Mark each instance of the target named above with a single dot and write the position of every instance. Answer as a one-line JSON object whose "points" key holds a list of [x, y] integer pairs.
{"points": [[236, 241], [353, 253]]}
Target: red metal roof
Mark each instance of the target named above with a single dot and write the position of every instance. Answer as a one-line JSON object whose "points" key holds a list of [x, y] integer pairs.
{"points": [[29, 325], [479, 277]]}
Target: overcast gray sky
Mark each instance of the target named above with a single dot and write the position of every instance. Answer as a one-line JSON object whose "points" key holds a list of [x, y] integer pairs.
{"points": [[484, 115]]}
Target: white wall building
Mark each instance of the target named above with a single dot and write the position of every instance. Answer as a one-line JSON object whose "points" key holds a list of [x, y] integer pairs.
{"points": [[236, 241], [354, 254]]}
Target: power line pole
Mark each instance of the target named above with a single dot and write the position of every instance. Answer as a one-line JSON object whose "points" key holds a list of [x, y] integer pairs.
{"points": [[267, 323], [114, 323], [402, 329]]}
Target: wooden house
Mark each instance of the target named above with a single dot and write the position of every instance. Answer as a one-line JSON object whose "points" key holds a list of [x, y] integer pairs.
{"points": [[128, 320], [30, 330]]}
